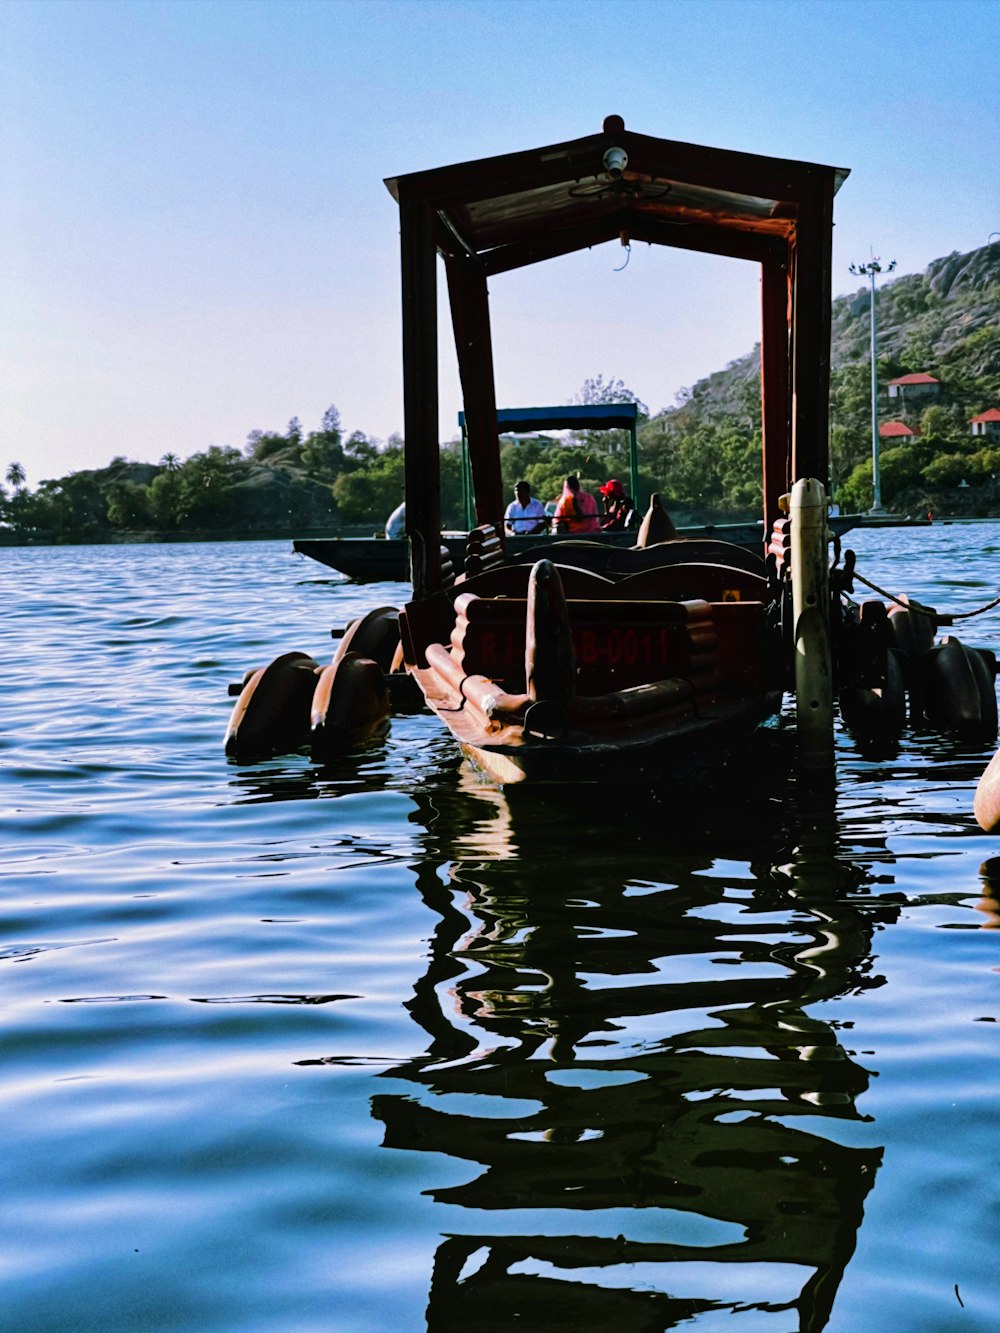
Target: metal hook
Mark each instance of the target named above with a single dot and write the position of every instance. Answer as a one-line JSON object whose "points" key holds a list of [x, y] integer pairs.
{"points": [[628, 256]]}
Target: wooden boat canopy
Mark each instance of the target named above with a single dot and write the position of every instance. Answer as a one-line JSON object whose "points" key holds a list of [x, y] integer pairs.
{"points": [[493, 215], [571, 660]]}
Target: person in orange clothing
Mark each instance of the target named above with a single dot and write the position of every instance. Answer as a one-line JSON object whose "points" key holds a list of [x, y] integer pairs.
{"points": [[576, 509]]}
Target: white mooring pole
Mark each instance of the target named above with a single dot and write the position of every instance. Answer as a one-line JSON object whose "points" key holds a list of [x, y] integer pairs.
{"points": [[869, 271], [811, 613]]}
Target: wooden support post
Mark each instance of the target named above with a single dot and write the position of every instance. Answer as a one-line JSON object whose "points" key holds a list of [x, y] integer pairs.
{"points": [[774, 387], [811, 338], [420, 394], [470, 314], [811, 614]]}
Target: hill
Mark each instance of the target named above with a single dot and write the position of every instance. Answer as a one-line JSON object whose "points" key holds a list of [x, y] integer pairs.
{"points": [[944, 322]]}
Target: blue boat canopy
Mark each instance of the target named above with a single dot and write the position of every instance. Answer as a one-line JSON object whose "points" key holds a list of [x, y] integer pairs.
{"points": [[585, 416]]}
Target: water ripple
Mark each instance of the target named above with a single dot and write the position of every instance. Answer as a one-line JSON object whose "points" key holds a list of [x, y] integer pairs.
{"points": [[373, 1045]]}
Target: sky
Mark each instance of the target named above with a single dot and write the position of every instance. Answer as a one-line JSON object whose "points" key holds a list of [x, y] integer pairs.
{"points": [[196, 241]]}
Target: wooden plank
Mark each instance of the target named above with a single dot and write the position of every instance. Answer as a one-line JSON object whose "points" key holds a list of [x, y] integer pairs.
{"points": [[774, 385], [470, 313], [732, 242], [549, 245], [810, 350], [422, 466]]}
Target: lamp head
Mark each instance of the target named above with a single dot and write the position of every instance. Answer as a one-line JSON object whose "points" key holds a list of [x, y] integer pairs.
{"points": [[615, 162]]}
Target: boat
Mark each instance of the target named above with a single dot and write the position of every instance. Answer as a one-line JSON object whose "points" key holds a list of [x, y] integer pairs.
{"points": [[377, 559], [561, 659], [386, 559], [578, 658]]}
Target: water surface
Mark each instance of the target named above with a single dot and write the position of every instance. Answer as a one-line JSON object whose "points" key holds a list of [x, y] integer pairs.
{"points": [[375, 1046]]}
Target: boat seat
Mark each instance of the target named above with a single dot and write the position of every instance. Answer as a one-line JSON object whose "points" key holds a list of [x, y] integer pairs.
{"points": [[620, 561], [429, 620], [483, 549], [617, 643], [447, 567], [512, 581], [594, 554], [690, 550], [716, 583]]}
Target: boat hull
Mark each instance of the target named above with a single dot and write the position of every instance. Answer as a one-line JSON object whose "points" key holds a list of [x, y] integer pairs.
{"points": [[381, 559], [671, 750], [378, 559]]}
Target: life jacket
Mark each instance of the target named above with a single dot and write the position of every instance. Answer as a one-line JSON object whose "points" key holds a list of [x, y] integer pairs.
{"points": [[577, 513]]}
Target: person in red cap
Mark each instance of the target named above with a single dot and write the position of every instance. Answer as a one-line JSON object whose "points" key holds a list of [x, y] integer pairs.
{"points": [[619, 511]]}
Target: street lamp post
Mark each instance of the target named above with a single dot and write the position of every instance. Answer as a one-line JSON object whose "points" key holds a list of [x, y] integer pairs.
{"points": [[869, 270]]}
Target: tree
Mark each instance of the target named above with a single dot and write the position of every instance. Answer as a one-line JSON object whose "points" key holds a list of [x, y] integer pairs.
{"points": [[206, 482], [128, 506], [946, 470], [850, 418], [452, 509], [854, 494], [165, 499], [264, 445], [599, 390], [16, 476], [613, 445], [937, 420], [322, 454], [370, 494], [331, 421], [359, 450]]}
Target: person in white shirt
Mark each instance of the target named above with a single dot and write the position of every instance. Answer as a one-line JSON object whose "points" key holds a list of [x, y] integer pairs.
{"points": [[524, 513], [395, 524]]}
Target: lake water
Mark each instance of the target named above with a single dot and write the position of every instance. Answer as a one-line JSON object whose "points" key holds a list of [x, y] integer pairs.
{"points": [[375, 1047]]}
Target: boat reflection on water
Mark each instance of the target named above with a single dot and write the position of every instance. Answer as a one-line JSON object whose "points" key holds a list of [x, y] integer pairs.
{"points": [[621, 1049]]}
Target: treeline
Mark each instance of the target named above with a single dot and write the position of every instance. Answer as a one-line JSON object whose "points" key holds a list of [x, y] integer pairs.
{"points": [[702, 454], [277, 483], [287, 483]]}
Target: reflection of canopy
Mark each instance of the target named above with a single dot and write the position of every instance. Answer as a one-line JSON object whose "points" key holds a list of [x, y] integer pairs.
{"points": [[636, 1072]]}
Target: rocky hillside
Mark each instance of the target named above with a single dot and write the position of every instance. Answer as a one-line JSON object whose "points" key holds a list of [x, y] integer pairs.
{"points": [[944, 322], [922, 316]]}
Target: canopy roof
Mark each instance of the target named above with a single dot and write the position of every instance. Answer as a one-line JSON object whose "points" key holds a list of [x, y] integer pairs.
{"points": [[521, 207]]}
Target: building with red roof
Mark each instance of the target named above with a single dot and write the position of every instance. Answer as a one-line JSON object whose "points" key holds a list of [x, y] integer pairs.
{"points": [[917, 385], [897, 430], [987, 424]]}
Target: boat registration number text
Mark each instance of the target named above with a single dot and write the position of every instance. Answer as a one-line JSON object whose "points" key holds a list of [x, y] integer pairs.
{"points": [[653, 646]]}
